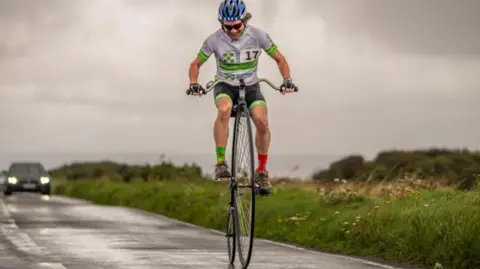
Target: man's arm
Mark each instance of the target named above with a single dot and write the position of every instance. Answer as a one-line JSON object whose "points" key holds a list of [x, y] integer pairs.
{"points": [[194, 70], [282, 64], [202, 56], [272, 50]]}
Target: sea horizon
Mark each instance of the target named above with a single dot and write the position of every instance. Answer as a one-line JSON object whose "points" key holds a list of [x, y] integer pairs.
{"points": [[279, 165]]}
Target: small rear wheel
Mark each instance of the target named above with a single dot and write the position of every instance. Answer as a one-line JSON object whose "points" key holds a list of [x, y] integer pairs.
{"points": [[231, 235]]}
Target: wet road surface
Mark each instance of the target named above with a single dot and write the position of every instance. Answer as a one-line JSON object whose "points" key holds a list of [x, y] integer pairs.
{"points": [[58, 232]]}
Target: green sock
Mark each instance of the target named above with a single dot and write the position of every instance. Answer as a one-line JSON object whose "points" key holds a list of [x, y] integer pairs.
{"points": [[220, 154]]}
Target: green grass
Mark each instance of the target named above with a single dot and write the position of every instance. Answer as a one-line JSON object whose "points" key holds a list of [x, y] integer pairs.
{"points": [[435, 226]]}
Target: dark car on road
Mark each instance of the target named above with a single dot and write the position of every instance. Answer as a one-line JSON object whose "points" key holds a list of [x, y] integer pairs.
{"points": [[27, 177]]}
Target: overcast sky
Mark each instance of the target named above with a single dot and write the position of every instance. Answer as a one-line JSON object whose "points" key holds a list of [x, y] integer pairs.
{"points": [[110, 75]]}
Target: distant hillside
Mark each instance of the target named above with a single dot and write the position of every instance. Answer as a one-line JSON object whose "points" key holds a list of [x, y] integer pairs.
{"points": [[394, 164], [125, 172]]}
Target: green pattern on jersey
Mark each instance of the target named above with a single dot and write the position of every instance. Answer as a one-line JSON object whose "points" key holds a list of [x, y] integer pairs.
{"points": [[229, 57], [238, 67]]}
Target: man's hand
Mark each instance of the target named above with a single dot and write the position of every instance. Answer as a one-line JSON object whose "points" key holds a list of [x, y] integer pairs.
{"points": [[287, 86], [196, 89]]}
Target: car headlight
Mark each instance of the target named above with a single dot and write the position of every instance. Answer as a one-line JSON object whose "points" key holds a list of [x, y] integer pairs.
{"points": [[12, 180], [44, 180]]}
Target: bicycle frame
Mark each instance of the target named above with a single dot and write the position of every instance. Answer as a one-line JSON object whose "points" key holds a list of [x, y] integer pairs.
{"points": [[232, 215]]}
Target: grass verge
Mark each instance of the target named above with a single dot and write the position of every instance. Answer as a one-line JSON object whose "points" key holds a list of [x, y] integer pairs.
{"points": [[420, 229]]}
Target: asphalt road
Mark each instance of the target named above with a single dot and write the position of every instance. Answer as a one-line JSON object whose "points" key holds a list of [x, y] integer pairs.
{"points": [[57, 232]]}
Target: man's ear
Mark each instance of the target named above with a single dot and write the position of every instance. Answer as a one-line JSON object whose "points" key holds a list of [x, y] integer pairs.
{"points": [[221, 25], [248, 16]]}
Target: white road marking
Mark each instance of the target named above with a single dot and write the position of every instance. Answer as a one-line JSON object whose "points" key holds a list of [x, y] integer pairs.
{"points": [[21, 240], [4, 208]]}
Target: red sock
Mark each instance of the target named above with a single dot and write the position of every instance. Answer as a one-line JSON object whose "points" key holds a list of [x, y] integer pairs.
{"points": [[262, 162]]}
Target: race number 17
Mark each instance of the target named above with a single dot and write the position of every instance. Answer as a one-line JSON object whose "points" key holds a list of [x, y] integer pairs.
{"points": [[249, 55]]}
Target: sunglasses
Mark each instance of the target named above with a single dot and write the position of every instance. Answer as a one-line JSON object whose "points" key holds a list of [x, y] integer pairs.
{"points": [[231, 27]]}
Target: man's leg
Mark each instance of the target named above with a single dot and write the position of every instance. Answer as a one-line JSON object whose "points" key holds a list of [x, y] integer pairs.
{"points": [[262, 134], [258, 111], [223, 102]]}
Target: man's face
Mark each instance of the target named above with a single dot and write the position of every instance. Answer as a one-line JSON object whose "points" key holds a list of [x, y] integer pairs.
{"points": [[234, 28]]}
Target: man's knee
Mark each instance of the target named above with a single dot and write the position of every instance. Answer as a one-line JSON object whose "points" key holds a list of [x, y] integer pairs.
{"points": [[224, 108], [258, 111], [261, 123]]}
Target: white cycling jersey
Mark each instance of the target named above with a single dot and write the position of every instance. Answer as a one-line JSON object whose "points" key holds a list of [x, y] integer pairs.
{"points": [[237, 58]]}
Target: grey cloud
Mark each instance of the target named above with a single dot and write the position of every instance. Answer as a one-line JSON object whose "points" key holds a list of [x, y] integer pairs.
{"points": [[435, 27], [110, 76], [27, 25]]}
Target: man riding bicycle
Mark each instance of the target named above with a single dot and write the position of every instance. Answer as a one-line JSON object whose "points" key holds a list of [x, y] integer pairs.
{"points": [[237, 47]]}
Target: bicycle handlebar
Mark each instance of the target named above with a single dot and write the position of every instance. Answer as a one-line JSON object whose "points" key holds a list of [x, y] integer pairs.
{"points": [[211, 84]]}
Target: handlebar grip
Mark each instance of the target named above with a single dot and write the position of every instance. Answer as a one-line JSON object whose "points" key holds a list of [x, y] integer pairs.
{"points": [[189, 92]]}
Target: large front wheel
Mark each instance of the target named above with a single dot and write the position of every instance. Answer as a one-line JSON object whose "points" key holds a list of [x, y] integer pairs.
{"points": [[243, 172]]}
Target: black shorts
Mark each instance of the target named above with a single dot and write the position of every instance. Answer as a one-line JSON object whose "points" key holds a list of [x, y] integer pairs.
{"points": [[253, 94]]}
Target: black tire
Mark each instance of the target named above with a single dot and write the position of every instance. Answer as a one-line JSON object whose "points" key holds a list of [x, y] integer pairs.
{"points": [[231, 235], [45, 191], [243, 140]]}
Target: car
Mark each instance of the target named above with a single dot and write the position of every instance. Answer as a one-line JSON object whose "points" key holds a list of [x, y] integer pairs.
{"points": [[27, 177]]}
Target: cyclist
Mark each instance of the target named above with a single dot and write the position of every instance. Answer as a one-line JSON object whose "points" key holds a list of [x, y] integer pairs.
{"points": [[237, 46]]}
